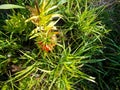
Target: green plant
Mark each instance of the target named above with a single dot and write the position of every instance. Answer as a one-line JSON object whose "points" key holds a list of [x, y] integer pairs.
{"points": [[45, 27], [64, 57], [16, 24]]}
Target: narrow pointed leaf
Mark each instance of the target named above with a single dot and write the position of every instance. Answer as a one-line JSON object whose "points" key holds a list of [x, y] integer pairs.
{"points": [[10, 6]]}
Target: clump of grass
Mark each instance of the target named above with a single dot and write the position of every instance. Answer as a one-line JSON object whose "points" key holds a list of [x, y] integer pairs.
{"points": [[110, 66]]}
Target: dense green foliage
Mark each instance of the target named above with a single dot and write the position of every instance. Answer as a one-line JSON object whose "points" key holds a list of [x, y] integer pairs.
{"points": [[62, 45]]}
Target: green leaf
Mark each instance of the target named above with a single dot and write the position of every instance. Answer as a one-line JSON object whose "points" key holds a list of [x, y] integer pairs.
{"points": [[2, 57], [5, 87], [10, 6], [62, 2], [92, 61]]}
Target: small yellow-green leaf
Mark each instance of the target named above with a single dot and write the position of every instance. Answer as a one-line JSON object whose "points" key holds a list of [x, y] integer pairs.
{"points": [[52, 8], [5, 87]]}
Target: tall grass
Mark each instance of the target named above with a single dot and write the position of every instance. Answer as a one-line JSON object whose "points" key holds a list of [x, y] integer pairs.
{"points": [[110, 67]]}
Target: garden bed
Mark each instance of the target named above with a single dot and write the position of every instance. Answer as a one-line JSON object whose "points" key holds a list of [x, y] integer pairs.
{"points": [[59, 45]]}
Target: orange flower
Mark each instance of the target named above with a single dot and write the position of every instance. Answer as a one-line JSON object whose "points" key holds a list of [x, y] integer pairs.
{"points": [[46, 47]]}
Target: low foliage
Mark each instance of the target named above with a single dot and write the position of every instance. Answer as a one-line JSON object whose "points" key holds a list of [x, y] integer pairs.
{"points": [[58, 45]]}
